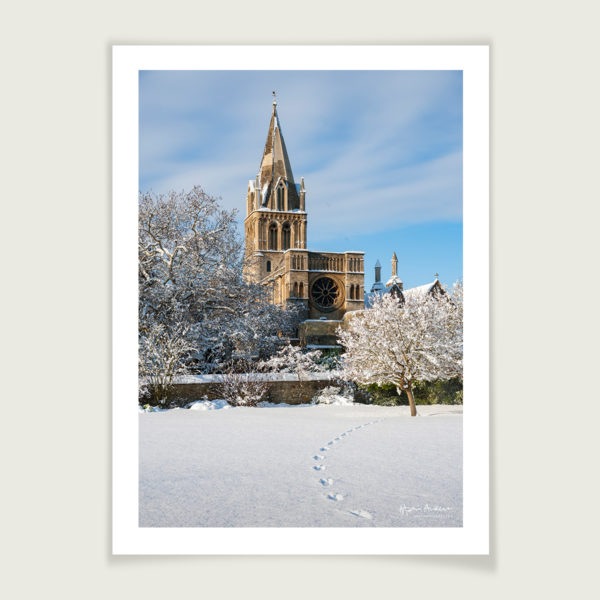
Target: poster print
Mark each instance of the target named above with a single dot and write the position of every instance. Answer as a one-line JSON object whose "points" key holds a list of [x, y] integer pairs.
{"points": [[292, 370]]}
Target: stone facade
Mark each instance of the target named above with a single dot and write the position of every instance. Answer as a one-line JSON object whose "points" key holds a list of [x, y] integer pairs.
{"points": [[327, 284]]}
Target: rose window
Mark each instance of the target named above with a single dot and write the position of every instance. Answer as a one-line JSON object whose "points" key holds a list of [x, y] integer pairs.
{"points": [[325, 292]]}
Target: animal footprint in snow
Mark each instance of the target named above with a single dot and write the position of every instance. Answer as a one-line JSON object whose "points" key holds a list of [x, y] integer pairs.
{"points": [[323, 449], [326, 481], [337, 439], [336, 497], [343, 435], [330, 443], [319, 467], [361, 513], [318, 457]]}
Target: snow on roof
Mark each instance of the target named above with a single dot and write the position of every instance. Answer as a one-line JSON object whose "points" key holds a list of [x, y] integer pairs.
{"points": [[394, 280], [420, 290], [251, 184]]}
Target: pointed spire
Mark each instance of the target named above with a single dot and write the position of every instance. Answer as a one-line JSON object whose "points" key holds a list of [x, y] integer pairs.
{"points": [[275, 163], [394, 265], [394, 279]]}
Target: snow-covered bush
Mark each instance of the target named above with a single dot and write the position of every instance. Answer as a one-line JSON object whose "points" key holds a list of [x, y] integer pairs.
{"points": [[293, 359], [334, 395], [330, 360], [161, 355], [243, 389]]}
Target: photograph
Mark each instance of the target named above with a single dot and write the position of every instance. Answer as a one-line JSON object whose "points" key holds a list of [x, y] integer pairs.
{"points": [[291, 326]]}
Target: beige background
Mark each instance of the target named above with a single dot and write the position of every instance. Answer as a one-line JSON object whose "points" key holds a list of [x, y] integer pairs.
{"points": [[55, 113]]}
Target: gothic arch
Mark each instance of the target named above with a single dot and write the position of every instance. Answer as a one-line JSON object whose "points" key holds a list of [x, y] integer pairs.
{"points": [[280, 195], [286, 236], [273, 236]]}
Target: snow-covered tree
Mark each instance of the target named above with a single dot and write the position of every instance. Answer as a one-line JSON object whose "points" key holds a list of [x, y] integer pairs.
{"points": [[399, 344], [191, 285]]}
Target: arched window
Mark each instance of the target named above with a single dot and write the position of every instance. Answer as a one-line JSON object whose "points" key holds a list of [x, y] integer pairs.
{"points": [[273, 236], [268, 266], [280, 197], [295, 289], [351, 292], [301, 290], [286, 236]]}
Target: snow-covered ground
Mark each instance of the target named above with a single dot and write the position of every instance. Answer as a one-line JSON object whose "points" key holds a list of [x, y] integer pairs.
{"points": [[303, 466]]}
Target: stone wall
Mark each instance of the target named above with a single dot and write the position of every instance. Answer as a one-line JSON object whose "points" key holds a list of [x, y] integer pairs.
{"points": [[288, 392], [319, 332]]}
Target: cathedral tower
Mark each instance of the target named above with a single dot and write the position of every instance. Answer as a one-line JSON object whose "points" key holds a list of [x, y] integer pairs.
{"points": [[327, 284], [275, 207]]}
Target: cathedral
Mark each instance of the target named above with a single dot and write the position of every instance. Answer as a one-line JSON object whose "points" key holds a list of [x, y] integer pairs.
{"points": [[327, 284]]}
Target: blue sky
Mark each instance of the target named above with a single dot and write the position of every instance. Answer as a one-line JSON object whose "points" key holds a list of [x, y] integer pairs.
{"points": [[380, 153]]}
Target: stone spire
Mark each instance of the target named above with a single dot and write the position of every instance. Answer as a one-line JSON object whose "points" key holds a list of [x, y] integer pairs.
{"points": [[394, 265], [394, 279], [275, 164]]}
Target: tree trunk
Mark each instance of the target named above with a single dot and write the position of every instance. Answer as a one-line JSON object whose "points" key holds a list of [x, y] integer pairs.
{"points": [[411, 399]]}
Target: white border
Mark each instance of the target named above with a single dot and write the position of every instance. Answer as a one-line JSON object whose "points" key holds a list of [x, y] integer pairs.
{"points": [[473, 537]]}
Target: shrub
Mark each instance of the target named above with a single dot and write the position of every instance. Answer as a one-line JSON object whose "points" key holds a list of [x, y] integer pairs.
{"points": [[243, 389], [329, 359], [448, 391], [425, 392]]}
